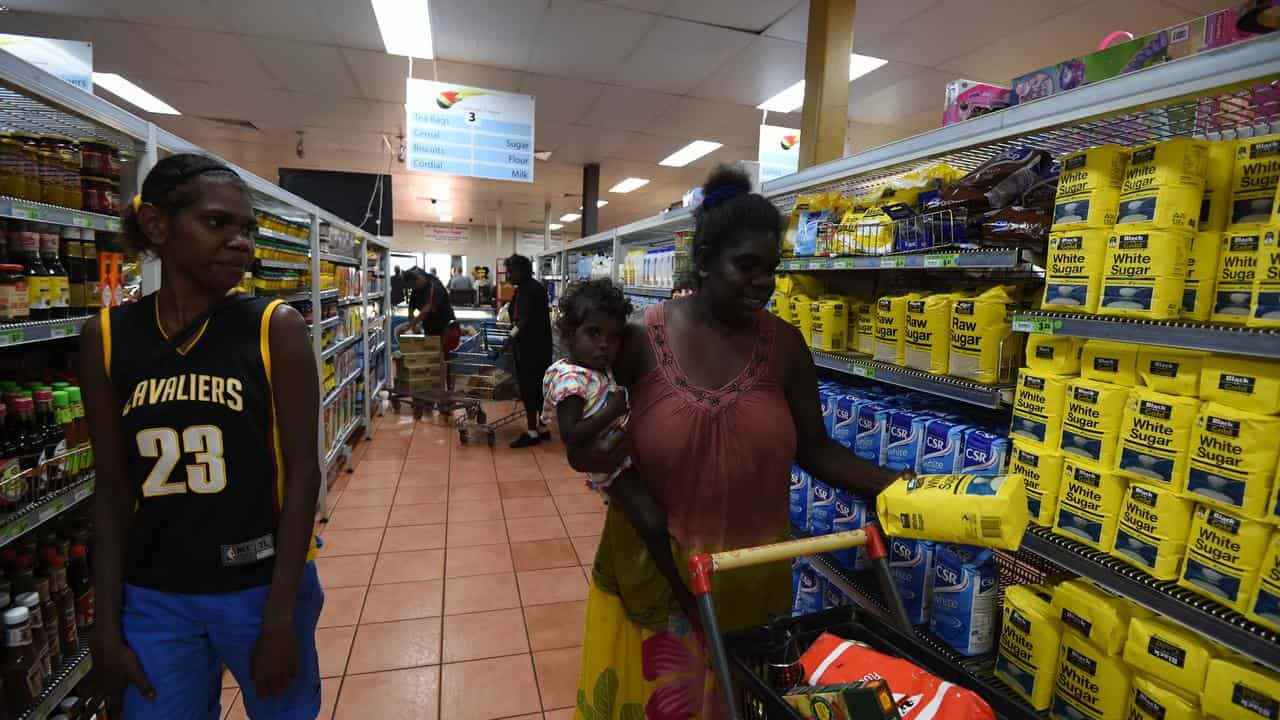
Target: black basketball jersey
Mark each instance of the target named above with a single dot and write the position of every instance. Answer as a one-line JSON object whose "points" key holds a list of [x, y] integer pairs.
{"points": [[202, 446]]}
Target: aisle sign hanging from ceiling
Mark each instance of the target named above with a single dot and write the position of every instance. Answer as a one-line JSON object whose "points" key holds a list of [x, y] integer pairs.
{"points": [[467, 131], [779, 151]]}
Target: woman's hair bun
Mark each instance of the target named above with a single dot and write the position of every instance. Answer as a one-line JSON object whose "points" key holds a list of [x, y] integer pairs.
{"points": [[726, 178]]}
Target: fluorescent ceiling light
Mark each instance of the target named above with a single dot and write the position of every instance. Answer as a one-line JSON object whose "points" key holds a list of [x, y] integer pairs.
{"points": [[555, 226], [405, 26], [133, 94], [690, 152], [569, 217], [446, 218], [631, 183], [601, 203], [792, 98]]}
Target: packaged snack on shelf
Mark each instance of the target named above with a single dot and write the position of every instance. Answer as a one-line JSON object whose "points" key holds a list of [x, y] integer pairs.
{"points": [[1245, 383], [1171, 371], [965, 590], [1253, 182], [1054, 354], [1151, 700], [1091, 421], [1109, 362], [1202, 276], [1073, 271], [828, 325], [1029, 640], [911, 563], [891, 325], [994, 184], [1145, 274], [940, 451], [983, 346], [1095, 613], [1038, 406], [978, 510], [1091, 684], [1224, 554], [1215, 207], [818, 211], [1086, 209], [1152, 534], [1101, 166], [1232, 458], [1155, 437], [1179, 657], [966, 99], [1264, 304], [1237, 267], [928, 333], [1263, 606], [1237, 689], [1041, 474], [1089, 500]]}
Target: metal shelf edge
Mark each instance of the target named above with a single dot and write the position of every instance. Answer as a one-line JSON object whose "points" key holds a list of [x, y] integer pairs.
{"points": [[338, 347], [340, 259], [343, 436], [19, 209], [46, 510], [40, 331], [333, 394], [657, 292], [958, 260], [72, 673], [1188, 336], [988, 396]]}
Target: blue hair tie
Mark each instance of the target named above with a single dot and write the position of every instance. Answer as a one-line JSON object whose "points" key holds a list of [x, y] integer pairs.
{"points": [[715, 197]]}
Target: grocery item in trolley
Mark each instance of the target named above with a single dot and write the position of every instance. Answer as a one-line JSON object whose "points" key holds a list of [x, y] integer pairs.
{"points": [[1224, 554], [976, 510], [1030, 636]]}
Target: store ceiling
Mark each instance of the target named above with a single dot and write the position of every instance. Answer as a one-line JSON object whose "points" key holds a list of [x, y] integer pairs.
{"points": [[619, 82]]}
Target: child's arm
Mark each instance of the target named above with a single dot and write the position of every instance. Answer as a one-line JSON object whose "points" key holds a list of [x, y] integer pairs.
{"points": [[650, 522], [576, 430]]}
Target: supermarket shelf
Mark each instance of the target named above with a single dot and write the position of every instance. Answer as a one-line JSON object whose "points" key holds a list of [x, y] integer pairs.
{"points": [[378, 348], [40, 331], [341, 259], [381, 384], [965, 391], [553, 277], [356, 300], [281, 237], [1189, 336], [328, 323], [378, 321], [305, 295], [337, 389], [65, 679], [343, 437], [40, 212], [651, 228], [282, 265], [374, 295], [961, 260], [37, 514], [1204, 616], [338, 347], [657, 292]]}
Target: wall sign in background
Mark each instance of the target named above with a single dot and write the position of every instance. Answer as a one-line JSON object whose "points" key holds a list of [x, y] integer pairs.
{"points": [[70, 60], [446, 234], [473, 132], [779, 151]]}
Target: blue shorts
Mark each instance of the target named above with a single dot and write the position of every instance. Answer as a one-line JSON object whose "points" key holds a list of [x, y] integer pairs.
{"points": [[184, 640]]}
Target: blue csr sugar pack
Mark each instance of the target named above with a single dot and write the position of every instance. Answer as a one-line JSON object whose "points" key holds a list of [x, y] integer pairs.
{"points": [[868, 443], [822, 507], [833, 596], [911, 565], [844, 421], [799, 498], [983, 453], [807, 588], [940, 450], [904, 434], [851, 513], [827, 396], [965, 589]]}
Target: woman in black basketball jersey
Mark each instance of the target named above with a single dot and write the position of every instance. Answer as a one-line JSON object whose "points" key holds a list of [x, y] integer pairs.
{"points": [[207, 467]]}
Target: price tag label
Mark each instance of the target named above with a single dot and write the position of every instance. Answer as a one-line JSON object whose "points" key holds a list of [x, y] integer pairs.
{"points": [[11, 337], [84, 492], [844, 264], [940, 261], [113, 224], [64, 330], [80, 221], [1040, 326], [861, 370], [24, 213], [892, 262]]}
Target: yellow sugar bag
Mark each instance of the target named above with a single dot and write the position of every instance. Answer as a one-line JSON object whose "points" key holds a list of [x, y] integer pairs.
{"points": [[1092, 168], [1091, 684], [1179, 657], [799, 284], [851, 305], [1073, 270], [891, 325], [1237, 689], [1038, 405], [1144, 274], [1246, 383], [1263, 606], [990, 511], [1224, 554], [1055, 354], [1254, 180], [865, 336], [1152, 534], [1169, 207], [1085, 209], [1110, 362], [802, 315], [1215, 208], [1166, 370], [1154, 437], [983, 346], [1202, 276], [1091, 421], [1027, 658], [1095, 613], [1264, 304], [1178, 162], [780, 305], [828, 325], [928, 333], [1232, 458], [1089, 500], [1153, 701], [1237, 268], [1041, 473]]}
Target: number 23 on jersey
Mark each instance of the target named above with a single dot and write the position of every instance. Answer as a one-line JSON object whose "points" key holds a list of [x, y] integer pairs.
{"points": [[207, 475]]}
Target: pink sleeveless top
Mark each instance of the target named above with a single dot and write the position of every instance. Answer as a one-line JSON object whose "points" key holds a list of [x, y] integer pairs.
{"points": [[718, 460]]}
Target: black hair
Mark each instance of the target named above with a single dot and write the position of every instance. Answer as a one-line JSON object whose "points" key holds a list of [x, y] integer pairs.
{"points": [[519, 262], [168, 188], [728, 209], [584, 297]]}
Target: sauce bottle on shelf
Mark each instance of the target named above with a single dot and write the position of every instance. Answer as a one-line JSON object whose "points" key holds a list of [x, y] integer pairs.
{"points": [[49, 612], [59, 287], [73, 259], [23, 680], [9, 466], [16, 488], [81, 583], [68, 636], [66, 443], [82, 428], [51, 441], [39, 639], [37, 285], [92, 282]]}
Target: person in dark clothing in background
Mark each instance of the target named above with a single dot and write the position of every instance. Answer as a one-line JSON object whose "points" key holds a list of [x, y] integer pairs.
{"points": [[429, 308], [531, 344], [397, 287]]}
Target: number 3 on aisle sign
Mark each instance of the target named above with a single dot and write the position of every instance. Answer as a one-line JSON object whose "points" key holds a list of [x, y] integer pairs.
{"points": [[471, 116], [208, 474]]}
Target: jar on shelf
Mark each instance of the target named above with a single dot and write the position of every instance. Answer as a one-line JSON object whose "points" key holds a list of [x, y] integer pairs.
{"points": [[101, 195], [30, 169], [72, 193], [50, 177], [14, 303], [98, 159]]}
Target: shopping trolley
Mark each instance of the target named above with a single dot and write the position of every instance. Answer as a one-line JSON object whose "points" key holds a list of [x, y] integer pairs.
{"points": [[703, 565]]}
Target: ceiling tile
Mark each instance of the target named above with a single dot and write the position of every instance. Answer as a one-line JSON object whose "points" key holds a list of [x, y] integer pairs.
{"points": [[586, 40], [693, 118], [637, 147], [748, 15], [676, 55], [490, 78], [560, 100], [378, 76], [288, 19], [761, 70], [305, 67], [352, 24], [499, 33], [627, 108], [62, 27], [118, 47], [195, 14], [793, 26], [78, 8], [237, 62], [649, 6]]}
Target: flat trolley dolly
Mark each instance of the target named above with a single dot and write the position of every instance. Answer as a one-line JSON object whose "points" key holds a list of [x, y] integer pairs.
{"points": [[703, 565]]}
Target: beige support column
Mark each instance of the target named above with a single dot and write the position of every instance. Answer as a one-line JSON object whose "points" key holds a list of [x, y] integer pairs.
{"points": [[825, 117]]}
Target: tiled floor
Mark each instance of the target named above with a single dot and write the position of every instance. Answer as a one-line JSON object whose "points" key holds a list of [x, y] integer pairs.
{"points": [[455, 579]]}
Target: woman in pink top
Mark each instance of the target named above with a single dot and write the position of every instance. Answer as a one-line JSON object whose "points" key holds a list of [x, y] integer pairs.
{"points": [[724, 400]]}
